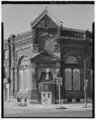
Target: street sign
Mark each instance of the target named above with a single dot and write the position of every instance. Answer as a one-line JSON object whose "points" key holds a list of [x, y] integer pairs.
{"points": [[58, 81]]}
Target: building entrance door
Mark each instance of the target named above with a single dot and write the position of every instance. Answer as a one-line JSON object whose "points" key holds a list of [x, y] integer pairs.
{"points": [[46, 98]]}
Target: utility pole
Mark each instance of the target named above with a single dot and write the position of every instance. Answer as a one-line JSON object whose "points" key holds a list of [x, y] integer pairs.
{"points": [[61, 52], [59, 93], [61, 58]]}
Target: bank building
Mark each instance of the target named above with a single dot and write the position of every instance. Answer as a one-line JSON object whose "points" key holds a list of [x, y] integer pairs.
{"points": [[33, 59]]}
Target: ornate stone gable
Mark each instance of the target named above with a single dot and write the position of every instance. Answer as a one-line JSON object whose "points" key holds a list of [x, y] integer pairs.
{"points": [[46, 26], [46, 22]]}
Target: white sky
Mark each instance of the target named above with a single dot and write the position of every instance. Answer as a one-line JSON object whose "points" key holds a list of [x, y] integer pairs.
{"points": [[17, 18]]}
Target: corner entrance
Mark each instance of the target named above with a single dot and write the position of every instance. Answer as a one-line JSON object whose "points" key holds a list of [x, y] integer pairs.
{"points": [[46, 65]]}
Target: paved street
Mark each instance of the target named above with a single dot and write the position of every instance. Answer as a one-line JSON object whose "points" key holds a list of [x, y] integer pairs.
{"points": [[41, 112]]}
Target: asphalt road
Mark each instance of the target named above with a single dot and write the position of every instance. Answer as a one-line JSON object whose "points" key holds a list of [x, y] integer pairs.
{"points": [[17, 112]]}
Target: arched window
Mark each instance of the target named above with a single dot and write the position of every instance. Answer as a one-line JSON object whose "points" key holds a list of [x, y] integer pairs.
{"points": [[72, 79], [71, 60]]}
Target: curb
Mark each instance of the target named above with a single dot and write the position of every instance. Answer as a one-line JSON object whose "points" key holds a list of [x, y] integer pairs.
{"points": [[57, 107]]}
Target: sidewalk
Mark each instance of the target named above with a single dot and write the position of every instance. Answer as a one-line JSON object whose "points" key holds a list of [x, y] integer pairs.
{"points": [[76, 106]]}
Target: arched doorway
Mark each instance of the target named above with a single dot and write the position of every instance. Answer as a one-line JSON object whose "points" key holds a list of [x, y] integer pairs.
{"points": [[72, 76]]}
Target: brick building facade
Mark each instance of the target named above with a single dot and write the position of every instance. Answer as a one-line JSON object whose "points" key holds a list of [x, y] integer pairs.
{"points": [[26, 59]]}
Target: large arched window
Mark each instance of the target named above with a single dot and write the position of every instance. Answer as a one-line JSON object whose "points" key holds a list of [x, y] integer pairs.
{"points": [[71, 60], [72, 75], [72, 79]]}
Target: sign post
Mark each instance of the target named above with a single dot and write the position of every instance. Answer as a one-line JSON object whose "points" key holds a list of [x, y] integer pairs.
{"points": [[59, 93], [59, 83], [85, 91], [85, 84]]}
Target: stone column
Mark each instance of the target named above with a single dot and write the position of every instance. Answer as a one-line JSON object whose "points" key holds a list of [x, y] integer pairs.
{"points": [[15, 81], [18, 80], [28, 81], [35, 94], [25, 78], [21, 79]]}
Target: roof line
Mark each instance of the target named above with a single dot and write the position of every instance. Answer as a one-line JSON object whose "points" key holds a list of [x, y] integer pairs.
{"points": [[45, 12], [38, 18], [73, 29], [41, 15]]}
